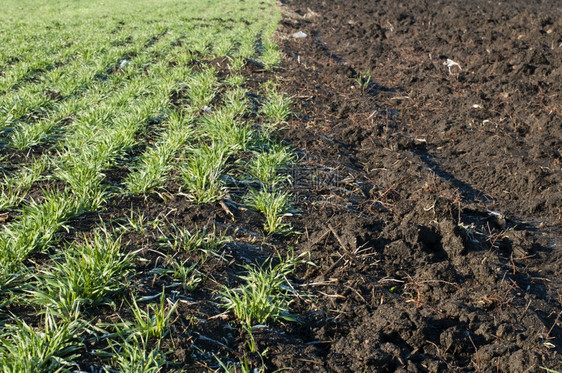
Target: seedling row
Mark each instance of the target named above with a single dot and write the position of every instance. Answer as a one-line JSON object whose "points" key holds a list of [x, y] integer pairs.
{"points": [[153, 103]]}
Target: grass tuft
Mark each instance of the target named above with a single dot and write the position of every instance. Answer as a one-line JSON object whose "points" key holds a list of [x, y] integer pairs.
{"points": [[135, 356], [270, 168], [52, 349], [181, 239], [274, 205], [201, 173], [264, 295], [276, 108], [87, 274], [154, 322], [187, 275]]}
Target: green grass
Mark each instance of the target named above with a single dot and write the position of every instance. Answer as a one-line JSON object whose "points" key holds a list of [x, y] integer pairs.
{"points": [[87, 274], [116, 102], [154, 321], [226, 130], [186, 275], [202, 170], [274, 205], [271, 55], [202, 88], [50, 349], [15, 187], [270, 167], [152, 169], [264, 294], [181, 239], [135, 356], [34, 231], [276, 107]]}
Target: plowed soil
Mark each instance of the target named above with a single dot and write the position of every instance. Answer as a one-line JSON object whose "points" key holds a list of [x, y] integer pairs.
{"points": [[430, 194]]}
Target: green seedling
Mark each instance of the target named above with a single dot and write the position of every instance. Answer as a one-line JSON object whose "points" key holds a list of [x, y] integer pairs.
{"points": [[276, 109], [264, 294], [188, 276], [234, 80], [231, 367], [237, 64], [154, 165], [27, 135], [135, 222], [274, 205], [363, 80], [202, 88], [225, 129], [271, 55], [36, 228], [201, 173], [235, 101], [153, 322], [181, 239], [269, 168], [87, 274], [133, 355], [14, 188], [26, 349]]}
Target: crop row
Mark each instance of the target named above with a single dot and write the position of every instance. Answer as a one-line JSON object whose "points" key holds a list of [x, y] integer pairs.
{"points": [[136, 92]]}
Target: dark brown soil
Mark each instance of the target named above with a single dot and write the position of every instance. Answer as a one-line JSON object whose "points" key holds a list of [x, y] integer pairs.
{"points": [[436, 224]]}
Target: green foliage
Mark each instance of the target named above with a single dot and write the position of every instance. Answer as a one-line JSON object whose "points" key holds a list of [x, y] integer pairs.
{"points": [[270, 167], [202, 87], [154, 322], [14, 188], [276, 108], [187, 275], [201, 173], [27, 135], [271, 55], [150, 173], [264, 295], [181, 239], [87, 274], [26, 349], [237, 64], [134, 356], [364, 80], [226, 130], [274, 205], [34, 230]]}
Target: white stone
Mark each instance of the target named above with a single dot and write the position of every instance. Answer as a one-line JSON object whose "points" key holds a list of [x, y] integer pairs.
{"points": [[299, 35]]}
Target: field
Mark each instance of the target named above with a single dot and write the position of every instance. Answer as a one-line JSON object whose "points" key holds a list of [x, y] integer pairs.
{"points": [[188, 187]]}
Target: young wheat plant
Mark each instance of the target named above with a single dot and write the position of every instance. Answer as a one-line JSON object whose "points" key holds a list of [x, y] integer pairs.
{"points": [[276, 108], [201, 173], [270, 168], [87, 274], [264, 295], [154, 322], [181, 239], [26, 349], [133, 355], [274, 205]]}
